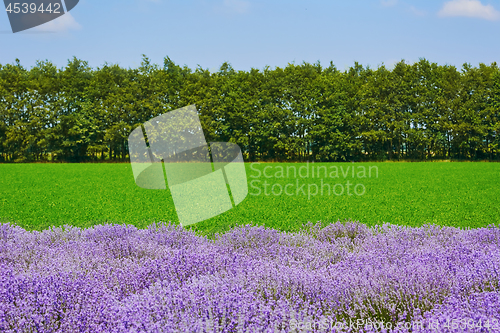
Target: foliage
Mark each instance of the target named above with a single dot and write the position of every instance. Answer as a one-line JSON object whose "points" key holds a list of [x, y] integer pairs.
{"points": [[301, 112]]}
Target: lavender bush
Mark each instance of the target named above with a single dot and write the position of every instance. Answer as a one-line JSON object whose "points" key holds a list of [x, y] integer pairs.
{"points": [[342, 277]]}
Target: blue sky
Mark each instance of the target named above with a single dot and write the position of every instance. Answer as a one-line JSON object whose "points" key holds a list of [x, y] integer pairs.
{"points": [[256, 33]]}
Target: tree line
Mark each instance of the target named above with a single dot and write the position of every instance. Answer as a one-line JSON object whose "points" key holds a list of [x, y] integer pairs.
{"points": [[416, 111]]}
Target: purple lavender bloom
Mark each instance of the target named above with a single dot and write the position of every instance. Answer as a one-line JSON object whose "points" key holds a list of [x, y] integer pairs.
{"points": [[343, 277]]}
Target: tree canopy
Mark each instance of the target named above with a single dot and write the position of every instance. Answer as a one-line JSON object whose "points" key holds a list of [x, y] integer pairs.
{"points": [[417, 111]]}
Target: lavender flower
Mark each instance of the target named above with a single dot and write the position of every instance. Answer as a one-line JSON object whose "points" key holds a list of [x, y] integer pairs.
{"points": [[342, 277]]}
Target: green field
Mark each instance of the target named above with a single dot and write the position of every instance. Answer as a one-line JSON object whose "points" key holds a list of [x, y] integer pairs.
{"points": [[37, 196]]}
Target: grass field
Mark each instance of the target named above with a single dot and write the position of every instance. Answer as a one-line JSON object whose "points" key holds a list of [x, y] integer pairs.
{"points": [[37, 196], [169, 279]]}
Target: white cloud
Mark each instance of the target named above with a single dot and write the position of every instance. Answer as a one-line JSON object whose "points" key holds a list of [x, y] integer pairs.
{"points": [[389, 3], [61, 24], [469, 8], [238, 6]]}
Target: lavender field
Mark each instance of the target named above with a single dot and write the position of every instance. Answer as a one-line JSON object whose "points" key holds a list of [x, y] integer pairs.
{"points": [[343, 277]]}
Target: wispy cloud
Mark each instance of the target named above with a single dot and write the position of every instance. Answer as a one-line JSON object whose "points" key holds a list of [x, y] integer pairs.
{"points": [[238, 6], [389, 3], [417, 11], [63, 23], [469, 8]]}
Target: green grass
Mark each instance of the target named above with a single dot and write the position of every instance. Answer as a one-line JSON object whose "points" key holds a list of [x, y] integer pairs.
{"points": [[37, 196]]}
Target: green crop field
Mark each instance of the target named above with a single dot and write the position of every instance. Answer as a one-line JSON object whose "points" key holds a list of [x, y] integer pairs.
{"points": [[37, 196]]}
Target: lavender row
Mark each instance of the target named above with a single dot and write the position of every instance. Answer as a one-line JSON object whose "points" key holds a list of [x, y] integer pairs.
{"points": [[341, 277]]}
